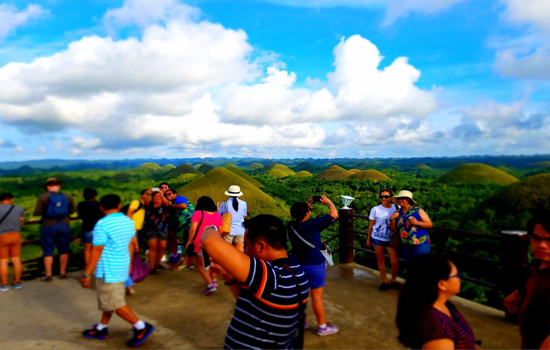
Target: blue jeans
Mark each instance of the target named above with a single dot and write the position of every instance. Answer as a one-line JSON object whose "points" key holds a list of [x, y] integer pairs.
{"points": [[375, 241], [412, 251]]}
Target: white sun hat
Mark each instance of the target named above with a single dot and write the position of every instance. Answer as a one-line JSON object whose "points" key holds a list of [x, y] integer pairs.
{"points": [[234, 191], [405, 194]]}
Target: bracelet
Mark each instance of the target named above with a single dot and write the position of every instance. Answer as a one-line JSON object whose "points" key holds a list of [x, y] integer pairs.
{"points": [[86, 275], [332, 205], [231, 283]]}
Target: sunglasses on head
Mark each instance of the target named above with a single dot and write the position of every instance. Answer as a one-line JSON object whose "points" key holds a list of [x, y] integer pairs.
{"points": [[164, 187], [384, 197]]}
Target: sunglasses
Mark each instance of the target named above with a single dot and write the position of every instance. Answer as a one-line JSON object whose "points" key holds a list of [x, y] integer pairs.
{"points": [[401, 199], [166, 194], [147, 193], [539, 239], [459, 275], [384, 197], [164, 187]]}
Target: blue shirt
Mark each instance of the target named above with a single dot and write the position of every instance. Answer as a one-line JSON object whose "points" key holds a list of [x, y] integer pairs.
{"points": [[237, 217], [310, 230], [114, 232]]}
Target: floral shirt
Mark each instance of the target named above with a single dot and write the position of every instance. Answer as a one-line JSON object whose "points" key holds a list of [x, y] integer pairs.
{"points": [[411, 234]]}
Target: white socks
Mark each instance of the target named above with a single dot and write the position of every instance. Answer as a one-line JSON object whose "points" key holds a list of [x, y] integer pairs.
{"points": [[100, 326], [323, 326], [139, 325]]}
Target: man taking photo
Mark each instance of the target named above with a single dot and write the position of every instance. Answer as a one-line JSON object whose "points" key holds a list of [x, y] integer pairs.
{"points": [[271, 288]]}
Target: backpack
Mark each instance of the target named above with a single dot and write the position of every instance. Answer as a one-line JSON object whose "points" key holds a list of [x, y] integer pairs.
{"points": [[124, 209], [58, 206]]}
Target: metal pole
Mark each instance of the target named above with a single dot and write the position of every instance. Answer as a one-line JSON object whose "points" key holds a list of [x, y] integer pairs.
{"points": [[346, 236]]}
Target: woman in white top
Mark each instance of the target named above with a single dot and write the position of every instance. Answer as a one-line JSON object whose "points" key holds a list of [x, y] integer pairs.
{"points": [[380, 237], [238, 209]]}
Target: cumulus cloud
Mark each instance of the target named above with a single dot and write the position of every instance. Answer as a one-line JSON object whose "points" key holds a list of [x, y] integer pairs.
{"points": [[192, 85], [360, 90], [6, 143], [11, 17], [42, 149], [529, 56], [394, 8]]}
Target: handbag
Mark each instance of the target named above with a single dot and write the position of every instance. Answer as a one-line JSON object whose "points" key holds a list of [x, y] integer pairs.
{"points": [[140, 270], [325, 252], [226, 219], [190, 250], [395, 237]]}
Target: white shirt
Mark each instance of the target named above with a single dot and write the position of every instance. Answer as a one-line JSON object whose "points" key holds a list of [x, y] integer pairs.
{"points": [[381, 229], [237, 217]]}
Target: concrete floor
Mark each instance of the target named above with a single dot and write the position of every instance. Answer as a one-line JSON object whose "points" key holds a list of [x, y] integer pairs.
{"points": [[53, 315]]}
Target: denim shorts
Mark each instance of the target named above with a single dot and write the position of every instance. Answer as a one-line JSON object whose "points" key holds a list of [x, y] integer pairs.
{"points": [[315, 274], [378, 242], [88, 237], [57, 235]]}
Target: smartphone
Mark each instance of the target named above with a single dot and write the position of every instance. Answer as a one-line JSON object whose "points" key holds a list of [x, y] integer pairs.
{"points": [[316, 199], [156, 189], [205, 260]]}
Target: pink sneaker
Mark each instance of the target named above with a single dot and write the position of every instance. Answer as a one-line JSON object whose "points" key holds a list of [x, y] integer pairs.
{"points": [[327, 330], [209, 290]]}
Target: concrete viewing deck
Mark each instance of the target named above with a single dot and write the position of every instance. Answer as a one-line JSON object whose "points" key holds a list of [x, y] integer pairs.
{"points": [[53, 315]]}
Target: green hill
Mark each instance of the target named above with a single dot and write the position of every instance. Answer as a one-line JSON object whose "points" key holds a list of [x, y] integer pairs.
{"points": [[540, 165], [334, 172], [216, 182], [123, 177], [372, 175], [303, 173], [477, 173], [530, 194], [307, 166], [245, 176], [255, 166], [168, 167], [283, 168], [270, 165], [180, 170], [197, 166], [149, 166], [230, 165], [277, 173], [421, 166], [205, 168]]}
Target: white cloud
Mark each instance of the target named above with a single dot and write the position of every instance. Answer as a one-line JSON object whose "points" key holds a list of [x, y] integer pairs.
{"points": [[11, 17], [529, 56], [86, 143], [42, 149], [147, 12], [19, 149], [394, 8]]}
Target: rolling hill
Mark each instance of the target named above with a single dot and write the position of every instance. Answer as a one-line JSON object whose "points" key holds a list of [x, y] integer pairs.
{"points": [[477, 173], [216, 182], [281, 167], [245, 176], [180, 170], [372, 175], [303, 173], [540, 165], [421, 166], [277, 173], [255, 166], [205, 168], [334, 172]]}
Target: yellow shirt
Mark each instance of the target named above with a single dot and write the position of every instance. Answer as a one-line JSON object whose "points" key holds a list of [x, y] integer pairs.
{"points": [[139, 215]]}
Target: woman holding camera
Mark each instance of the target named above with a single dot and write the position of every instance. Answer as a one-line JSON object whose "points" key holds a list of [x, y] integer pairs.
{"points": [[311, 260], [412, 223], [156, 226]]}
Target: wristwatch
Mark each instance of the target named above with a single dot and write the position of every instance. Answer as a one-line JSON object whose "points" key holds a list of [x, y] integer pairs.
{"points": [[86, 275]]}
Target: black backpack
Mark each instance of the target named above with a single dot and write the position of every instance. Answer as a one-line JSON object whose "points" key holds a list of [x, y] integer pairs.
{"points": [[124, 209]]}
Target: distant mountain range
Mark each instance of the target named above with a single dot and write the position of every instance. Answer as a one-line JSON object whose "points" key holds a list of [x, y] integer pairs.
{"points": [[24, 167]]}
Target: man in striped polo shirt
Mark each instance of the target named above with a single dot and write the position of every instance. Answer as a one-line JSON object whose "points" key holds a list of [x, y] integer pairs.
{"points": [[110, 258], [268, 296]]}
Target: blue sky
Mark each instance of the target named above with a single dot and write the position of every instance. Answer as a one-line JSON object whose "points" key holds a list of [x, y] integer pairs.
{"points": [[273, 78]]}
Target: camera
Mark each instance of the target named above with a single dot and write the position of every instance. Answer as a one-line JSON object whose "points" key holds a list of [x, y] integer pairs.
{"points": [[316, 199]]}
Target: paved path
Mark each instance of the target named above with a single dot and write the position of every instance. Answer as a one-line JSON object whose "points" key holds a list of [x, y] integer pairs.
{"points": [[53, 315]]}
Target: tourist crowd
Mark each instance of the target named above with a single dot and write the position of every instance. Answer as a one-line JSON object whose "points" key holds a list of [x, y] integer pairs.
{"points": [[271, 286]]}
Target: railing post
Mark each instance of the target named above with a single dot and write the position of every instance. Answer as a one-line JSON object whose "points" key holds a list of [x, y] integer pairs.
{"points": [[345, 253], [514, 248]]}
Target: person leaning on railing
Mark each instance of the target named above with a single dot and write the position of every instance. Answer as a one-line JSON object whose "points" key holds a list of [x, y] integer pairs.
{"points": [[411, 223], [11, 219], [425, 317]]}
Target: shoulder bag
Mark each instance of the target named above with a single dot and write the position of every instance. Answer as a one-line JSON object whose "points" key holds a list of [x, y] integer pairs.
{"points": [[226, 219], [8, 213], [326, 252], [190, 250], [395, 237], [299, 336]]}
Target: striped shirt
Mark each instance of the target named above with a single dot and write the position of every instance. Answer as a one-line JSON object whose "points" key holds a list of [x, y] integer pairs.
{"points": [[114, 232], [434, 325], [266, 314]]}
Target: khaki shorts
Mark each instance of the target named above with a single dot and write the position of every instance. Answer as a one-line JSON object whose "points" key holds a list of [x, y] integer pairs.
{"points": [[110, 296], [236, 238]]}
